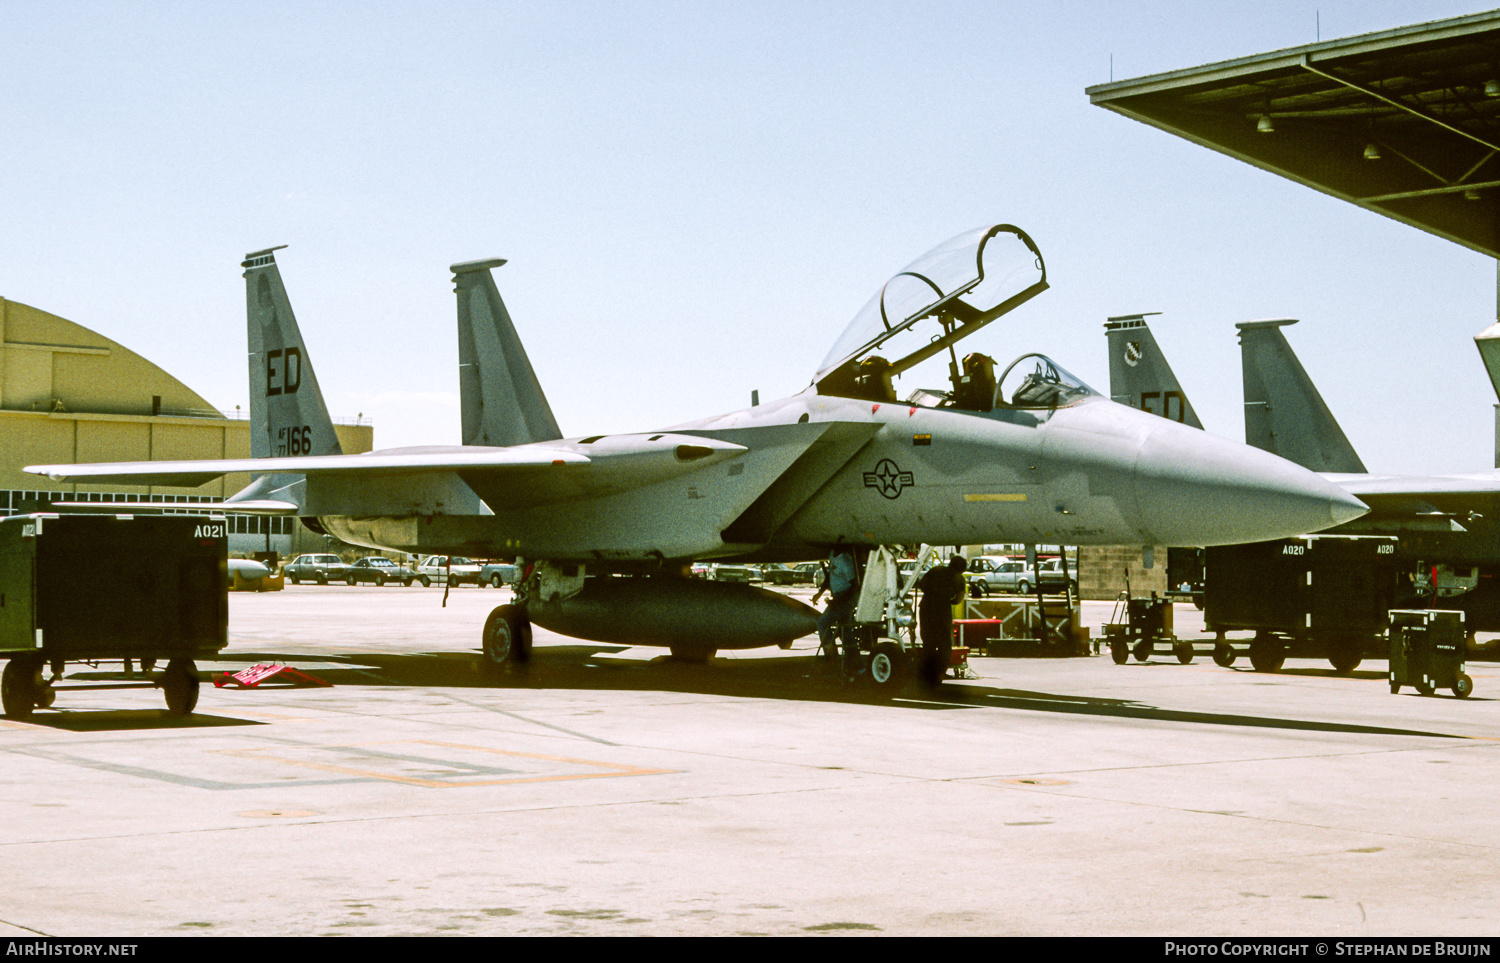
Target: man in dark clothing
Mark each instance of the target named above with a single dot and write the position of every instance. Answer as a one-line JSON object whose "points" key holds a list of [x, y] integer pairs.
{"points": [[942, 588], [841, 582]]}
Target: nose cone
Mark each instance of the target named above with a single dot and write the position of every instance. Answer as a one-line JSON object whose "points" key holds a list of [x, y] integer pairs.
{"points": [[1194, 488]]}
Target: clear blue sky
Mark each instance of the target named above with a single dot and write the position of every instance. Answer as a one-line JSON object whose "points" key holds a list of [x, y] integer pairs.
{"points": [[695, 198]]}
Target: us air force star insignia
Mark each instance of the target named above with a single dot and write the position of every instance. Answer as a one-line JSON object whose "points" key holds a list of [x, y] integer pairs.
{"points": [[1132, 353], [889, 478]]}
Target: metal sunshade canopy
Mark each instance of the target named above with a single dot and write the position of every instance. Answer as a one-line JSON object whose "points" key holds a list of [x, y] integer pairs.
{"points": [[1405, 122]]}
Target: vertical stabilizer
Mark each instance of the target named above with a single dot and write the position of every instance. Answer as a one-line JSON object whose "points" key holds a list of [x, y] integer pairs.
{"points": [[1139, 375], [1284, 414], [287, 414], [502, 400]]}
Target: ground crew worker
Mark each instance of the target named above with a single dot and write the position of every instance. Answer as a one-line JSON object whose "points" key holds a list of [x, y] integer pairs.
{"points": [[942, 588], [841, 581]]}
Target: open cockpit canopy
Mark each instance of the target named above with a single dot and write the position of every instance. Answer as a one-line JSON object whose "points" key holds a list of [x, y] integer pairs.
{"points": [[935, 301]]}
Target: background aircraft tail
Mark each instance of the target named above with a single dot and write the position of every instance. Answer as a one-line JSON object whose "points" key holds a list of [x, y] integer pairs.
{"points": [[502, 400], [1284, 413], [1139, 375]]}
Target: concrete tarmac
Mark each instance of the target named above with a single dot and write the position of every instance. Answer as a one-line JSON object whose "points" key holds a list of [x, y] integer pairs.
{"points": [[612, 791]]}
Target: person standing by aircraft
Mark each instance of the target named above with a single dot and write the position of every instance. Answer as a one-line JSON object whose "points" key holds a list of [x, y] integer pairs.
{"points": [[841, 582], [942, 588]]}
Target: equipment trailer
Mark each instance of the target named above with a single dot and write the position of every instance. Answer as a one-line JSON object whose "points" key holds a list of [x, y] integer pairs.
{"points": [[109, 588]]}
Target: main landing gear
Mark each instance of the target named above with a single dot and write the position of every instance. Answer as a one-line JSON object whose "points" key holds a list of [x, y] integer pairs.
{"points": [[507, 638]]}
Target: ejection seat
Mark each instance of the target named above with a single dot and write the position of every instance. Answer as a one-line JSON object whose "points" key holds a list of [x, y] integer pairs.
{"points": [[975, 388]]}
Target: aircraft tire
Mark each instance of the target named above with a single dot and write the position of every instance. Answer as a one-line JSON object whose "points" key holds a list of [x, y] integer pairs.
{"points": [[179, 683], [1345, 655], [890, 667], [1267, 654], [507, 638], [18, 688]]}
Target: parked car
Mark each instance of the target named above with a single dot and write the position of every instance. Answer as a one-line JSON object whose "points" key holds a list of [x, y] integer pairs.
{"points": [[734, 572], [380, 570], [440, 568], [989, 574], [496, 574], [316, 568], [803, 573]]}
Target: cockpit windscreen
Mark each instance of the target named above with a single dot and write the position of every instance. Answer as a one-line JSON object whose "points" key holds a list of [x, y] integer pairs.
{"points": [[1036, 381]]}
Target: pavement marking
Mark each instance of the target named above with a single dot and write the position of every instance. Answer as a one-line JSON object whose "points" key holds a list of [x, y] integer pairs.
{"points": [[533, 722], [443, 773]]}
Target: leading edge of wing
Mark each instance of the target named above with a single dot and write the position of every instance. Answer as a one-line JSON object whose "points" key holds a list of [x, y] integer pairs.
{"points": [[189, 474], [1466, 483]]}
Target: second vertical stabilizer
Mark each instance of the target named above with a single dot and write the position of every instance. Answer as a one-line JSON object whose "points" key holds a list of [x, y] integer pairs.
{"points": [[1284, 413], [501, 398]]}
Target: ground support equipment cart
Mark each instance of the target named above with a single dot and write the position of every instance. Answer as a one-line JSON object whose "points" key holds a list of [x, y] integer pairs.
{"points": [[109, 588], [1324, 595], [1427, 651], [1147, 622]]}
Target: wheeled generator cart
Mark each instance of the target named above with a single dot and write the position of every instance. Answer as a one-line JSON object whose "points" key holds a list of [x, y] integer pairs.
{"points": [[1427, 651], [109, 588], [1147, 622], [1320, 595]]}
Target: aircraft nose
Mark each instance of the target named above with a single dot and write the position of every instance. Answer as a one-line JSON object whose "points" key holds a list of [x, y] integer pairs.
{"points": [[1198, 489]]}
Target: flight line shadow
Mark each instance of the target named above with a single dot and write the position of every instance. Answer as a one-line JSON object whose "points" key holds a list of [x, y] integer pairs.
{"points": [[588, 667]]}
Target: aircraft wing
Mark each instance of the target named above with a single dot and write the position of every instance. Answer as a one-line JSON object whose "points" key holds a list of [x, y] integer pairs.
{"points": [[524, 475], [192, 473], [1452, 494]]}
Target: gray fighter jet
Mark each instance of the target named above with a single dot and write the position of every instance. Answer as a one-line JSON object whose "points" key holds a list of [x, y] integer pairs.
{"points": [[1449, 525], [604, 526]]}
